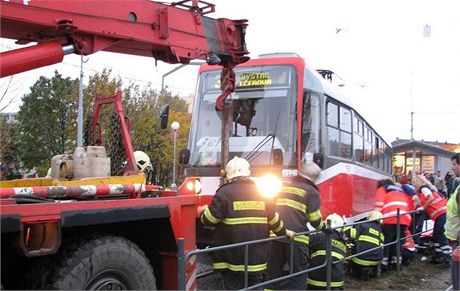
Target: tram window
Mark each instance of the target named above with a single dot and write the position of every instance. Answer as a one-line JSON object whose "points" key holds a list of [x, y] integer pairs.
{"points": [[339, 131], [345, 119], [332, 115], [358, 148], [311, 123], [345, 145], [360, 128], [355, 124], [381, 157], [375, 153], [333, 138], [387, 158]]}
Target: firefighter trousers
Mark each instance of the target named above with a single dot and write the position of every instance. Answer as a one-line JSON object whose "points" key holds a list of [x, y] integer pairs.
{"points": [[389, 252], [235, 280], [279, 256]]}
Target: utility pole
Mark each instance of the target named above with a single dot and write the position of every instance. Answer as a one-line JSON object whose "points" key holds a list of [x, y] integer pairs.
{"points": [[80, 107], [413, 141]]}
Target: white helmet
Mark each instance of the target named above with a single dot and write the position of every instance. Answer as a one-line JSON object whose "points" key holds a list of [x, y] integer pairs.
{"points": [[336, 220], [375, 215], [310, 170], [142, 160], [237, 167]]}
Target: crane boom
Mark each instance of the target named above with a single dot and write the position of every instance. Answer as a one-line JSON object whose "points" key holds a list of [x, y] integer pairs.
{"points": [[175, 33]]}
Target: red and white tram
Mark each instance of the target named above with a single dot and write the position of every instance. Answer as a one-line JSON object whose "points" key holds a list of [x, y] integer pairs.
{"points": [[284, 114]]}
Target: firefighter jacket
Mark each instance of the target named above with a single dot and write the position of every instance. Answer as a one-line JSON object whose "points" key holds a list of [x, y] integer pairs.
{"points": [[388, 199], [298, 203], [437, 206], [317, 250], [367, 235], [239, 213], [452, 226]]}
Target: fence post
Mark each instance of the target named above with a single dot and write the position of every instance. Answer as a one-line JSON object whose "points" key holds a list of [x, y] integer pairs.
{"points": [[328, 254], [398, 245], [291, 256], [181, 265]]}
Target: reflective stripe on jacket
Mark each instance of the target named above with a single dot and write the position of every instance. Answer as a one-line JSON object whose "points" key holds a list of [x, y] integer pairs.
{"points": [[298, 203], [390, 201], [239, 213], [437, 206], [317, 250], [366, 236]]}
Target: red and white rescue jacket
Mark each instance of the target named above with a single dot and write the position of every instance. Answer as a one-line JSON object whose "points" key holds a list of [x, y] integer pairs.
{"points": [[388, 200], [437, 207]]}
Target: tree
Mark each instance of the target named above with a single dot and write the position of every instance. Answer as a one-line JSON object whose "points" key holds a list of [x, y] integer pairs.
{"points": [[144, 106], [45, 121], [9, 154]]}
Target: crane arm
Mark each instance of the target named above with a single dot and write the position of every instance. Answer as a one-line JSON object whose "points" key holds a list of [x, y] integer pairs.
{"points": [[174, 33]]}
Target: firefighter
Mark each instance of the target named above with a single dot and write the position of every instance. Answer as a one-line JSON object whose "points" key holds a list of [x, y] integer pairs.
{"points": [[388, 199], [366, 236], [239, 213], [297, 203], [144, 165], [142, 161], [316, 280], [434, 204]]}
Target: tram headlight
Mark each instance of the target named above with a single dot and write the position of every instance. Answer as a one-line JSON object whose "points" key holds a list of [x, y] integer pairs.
{"points": [[194, 185], [269, 185]]}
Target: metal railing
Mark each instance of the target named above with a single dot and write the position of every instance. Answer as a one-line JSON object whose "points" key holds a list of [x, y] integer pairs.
{"points": [[185, 257]]}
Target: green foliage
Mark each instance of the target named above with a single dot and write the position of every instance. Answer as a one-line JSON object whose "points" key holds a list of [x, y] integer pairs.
{"points": [[143, 107], [9, 153], [45, 120]]}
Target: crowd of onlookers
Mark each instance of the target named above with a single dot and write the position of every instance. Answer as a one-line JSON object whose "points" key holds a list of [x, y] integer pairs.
{"points": [[445, 185]]}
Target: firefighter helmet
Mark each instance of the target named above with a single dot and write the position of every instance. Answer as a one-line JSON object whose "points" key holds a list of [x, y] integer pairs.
{"points": [[237, 167], [310, 171], [142, 160], [336, 220], [375, 215]]}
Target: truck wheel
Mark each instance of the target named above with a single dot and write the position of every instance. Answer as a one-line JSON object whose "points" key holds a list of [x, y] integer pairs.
{"points": [[103, 263]]}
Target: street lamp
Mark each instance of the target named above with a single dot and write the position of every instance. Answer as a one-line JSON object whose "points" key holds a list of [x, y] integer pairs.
{"points": [[174, 126]]}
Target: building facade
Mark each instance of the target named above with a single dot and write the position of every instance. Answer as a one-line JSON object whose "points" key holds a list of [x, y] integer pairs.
{"points": [[429, 156]]}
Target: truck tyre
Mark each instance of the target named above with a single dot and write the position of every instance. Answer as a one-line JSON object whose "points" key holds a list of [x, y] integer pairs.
{"points": [[103, 263]]}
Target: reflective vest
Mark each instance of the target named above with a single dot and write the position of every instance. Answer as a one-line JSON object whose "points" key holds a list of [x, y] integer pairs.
{"points": [[437, 206], [389, 202], [452, 226]]}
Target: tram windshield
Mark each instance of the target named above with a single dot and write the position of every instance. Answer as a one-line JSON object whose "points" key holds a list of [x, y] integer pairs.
{"points": [[263, 116]]}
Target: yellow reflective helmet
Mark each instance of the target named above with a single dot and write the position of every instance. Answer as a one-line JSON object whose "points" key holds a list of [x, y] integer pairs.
{"points": [[237, 167], [142, 160], [336, 220]]}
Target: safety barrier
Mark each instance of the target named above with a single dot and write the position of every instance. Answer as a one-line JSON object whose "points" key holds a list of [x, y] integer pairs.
{"points": [[185, 257]]}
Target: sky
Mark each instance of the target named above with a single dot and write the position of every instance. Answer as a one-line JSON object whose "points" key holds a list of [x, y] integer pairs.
{"points": [[389, 63]]}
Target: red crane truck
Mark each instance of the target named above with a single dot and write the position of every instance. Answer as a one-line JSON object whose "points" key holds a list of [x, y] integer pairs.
{"points": [[78, 230]]}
